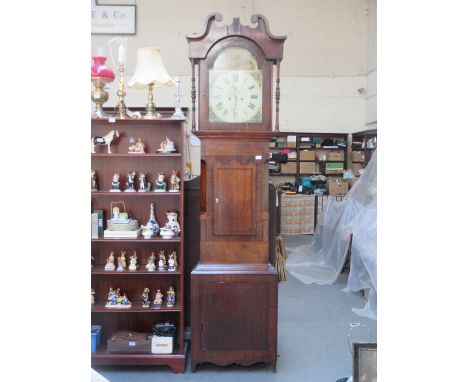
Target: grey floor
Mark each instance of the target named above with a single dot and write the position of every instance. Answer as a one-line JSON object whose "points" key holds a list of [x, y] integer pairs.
{"points": [[313, 326]]}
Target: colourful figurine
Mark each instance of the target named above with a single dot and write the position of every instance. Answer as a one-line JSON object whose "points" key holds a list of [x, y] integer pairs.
{"points": [[136, 148], [160, 185], [145, 297], [130, 184], [174, 182], [162, 260], [115, 186], [150, 266], [142, 182], [172, 261], [133, 262], [167, 146], [110, 266], [123, 259], [170, 297], [158, 299], [172, 222], [93, 181], [125, 300]]}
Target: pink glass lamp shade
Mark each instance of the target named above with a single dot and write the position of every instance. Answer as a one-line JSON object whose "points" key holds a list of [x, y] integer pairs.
{"points": [[100, 75], [99, 71]]}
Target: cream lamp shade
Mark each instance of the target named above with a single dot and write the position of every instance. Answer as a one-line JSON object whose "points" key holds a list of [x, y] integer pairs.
{"points": [[150, 70]]}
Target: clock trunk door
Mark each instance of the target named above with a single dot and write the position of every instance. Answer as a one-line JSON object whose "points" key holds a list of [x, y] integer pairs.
{"points": [[234, 199]]}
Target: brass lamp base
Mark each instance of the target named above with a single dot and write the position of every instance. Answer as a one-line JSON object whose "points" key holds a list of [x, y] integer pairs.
{"points": [[99, 96], [150, 106]]}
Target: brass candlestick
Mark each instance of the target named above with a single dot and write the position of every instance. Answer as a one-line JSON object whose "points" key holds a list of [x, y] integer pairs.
{"points": [[121, 109]]}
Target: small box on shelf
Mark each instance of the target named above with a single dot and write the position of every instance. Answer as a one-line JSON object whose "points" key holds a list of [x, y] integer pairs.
{"points": [[335, 155], [288, 168], [334, 168], [337, 187], [308, 167], [307, 155]]}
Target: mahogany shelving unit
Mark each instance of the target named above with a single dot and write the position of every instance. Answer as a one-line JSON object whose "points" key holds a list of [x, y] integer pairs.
{"points": [[137, 318]]}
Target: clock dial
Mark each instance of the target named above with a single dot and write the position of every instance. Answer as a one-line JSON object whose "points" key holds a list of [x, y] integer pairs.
{"points": [[235, 96]]}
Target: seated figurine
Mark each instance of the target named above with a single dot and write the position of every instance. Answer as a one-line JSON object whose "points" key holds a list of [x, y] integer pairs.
{"points": [[158, 299], [160, 185], [115, 187], [136, 148], [110, 266]]}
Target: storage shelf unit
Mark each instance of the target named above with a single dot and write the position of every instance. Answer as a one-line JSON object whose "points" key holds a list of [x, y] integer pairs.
{"points": [[137, 204], [303, 142], [361, 157]]}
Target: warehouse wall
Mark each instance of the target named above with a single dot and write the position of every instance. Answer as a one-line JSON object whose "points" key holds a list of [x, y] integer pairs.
{"points": [[371, 78], [324, 65]]}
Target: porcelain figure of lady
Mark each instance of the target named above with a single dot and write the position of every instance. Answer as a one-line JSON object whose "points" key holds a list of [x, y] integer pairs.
{"points": [[133, 262], [145, 298], [172, 261], [150, 266], [158, 299]]}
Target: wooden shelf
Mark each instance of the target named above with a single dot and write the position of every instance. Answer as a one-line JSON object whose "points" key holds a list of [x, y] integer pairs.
{"points": [[132, 240], [135, 194], [134, 121], [126, 155], [176, 360], [280, 174], [99, 307], [99, 270]]}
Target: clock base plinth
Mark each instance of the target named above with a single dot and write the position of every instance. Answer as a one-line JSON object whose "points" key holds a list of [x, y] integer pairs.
{"points": [[234, 314]]}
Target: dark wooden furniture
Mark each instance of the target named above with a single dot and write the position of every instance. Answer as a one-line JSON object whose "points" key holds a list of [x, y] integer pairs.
{"points": [[364, 137], [137, 204], [301, 165], [234, 287]]}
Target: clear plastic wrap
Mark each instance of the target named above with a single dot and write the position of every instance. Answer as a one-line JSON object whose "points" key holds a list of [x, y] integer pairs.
{"points": [[322, 260]]}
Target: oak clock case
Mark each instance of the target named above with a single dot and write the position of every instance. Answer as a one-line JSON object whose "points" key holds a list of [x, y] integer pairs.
{"points": [[234, 293]]}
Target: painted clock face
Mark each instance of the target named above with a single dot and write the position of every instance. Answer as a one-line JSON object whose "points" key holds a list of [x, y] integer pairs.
{"points": [[235, 88]]}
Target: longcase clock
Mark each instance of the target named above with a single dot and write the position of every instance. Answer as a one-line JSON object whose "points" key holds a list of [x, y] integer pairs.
{"points": [[234, 288]]}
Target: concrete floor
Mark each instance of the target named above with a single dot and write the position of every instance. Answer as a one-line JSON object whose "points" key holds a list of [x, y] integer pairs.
{"points": [[313, 327]]}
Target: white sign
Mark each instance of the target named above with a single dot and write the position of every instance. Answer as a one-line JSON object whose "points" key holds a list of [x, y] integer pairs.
{"points": [[113, 19]]}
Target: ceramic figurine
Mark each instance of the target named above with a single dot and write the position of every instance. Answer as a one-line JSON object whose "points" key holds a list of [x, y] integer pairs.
{"points": [[145, 297], [167, 146], [136, 148], [92, 296], [119, 265], [142, 182], [147, 231], [115, 300], [133, 262], [158, 299], [150, 266], [110, 295], [170, 297], [106, 140], [166, 233], [110, 266], [162, 260], [172, 222], [130, 185], [160, 185], [115, 183], [152, 220], [124, 300], [123, 259], [93, 181], [174, 182], [172, 261]]}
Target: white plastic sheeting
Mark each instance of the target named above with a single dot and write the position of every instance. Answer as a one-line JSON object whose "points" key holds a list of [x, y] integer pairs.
{"points": [[322, 260]]}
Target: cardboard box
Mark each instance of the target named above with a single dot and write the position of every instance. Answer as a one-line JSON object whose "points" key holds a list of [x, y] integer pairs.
{"points": [[307, 155], [291, 141], [337, 187], [307, 168], [334, 168], [335, 155], [129, 342], [357, 156], [288, 168]]}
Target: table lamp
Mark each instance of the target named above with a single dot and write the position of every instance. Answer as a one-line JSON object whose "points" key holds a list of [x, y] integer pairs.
{"points": [[150, 72], [100, 75]]}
